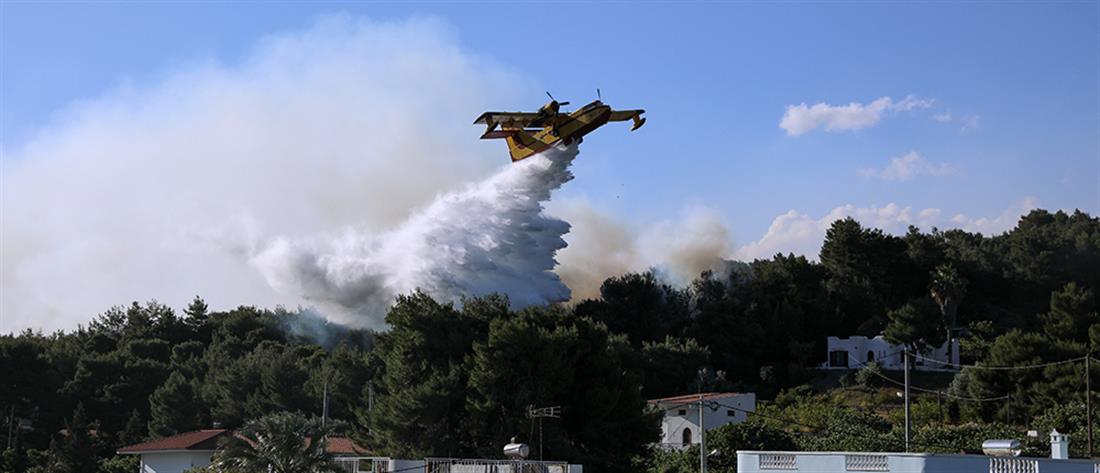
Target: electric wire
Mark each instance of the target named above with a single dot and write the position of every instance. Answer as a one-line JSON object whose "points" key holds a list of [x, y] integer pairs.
{"points": [[933, 391], [819, 428], [1002, 368], [816, 428]]}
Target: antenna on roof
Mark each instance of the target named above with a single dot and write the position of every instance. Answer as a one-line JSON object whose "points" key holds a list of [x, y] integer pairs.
{"points": [[598, 96]]}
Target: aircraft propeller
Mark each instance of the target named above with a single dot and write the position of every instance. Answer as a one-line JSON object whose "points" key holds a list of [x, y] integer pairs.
{"points": [[554, 99]]}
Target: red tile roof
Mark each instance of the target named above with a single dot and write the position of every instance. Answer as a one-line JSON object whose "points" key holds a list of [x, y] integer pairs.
{"points": [[343, 446], [207, 440], [690, 398], [197, 440]]}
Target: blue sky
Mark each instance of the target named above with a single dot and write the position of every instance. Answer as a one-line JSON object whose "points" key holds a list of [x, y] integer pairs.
{"points": [[716, 79], [984, 109]]}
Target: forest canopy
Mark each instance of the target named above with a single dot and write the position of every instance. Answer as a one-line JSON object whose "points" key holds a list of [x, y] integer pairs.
{"points": [[456, 379]]}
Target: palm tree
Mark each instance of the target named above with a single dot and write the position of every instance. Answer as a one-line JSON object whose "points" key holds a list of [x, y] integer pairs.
{"points": [[278, 443], [947, 288]]}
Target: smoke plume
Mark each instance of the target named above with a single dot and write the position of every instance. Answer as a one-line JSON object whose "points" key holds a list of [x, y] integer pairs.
{"points": [[163, 188], [490, 237]]}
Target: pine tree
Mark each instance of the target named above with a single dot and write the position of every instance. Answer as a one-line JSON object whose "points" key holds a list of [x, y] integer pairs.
{"points": [[198, 319], [74, 449], [917, 325], [134, 431], [174, 407]]}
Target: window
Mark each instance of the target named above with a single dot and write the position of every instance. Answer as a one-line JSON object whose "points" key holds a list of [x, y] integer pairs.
{"points": [[870, 356], [687, 436], [682, 412], [838, 359], [731, 413]]}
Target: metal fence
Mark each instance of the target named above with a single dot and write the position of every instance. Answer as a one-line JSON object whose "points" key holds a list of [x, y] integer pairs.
{"points": [[467, 465], [363, 464]]}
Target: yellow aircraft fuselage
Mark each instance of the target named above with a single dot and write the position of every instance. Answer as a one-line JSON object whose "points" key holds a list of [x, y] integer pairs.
{"points": [[565, 128], [569, 128]]}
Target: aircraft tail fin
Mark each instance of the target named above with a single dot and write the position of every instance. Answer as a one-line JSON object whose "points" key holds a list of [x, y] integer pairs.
{"points": [[521, 144]]}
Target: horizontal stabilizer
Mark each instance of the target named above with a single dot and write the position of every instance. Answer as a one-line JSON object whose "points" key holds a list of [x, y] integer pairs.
{"points": [[638, 122], [495, 134]]}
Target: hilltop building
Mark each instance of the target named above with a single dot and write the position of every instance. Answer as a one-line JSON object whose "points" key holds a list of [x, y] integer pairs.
{"points": [[855, 352], [680, 424]]}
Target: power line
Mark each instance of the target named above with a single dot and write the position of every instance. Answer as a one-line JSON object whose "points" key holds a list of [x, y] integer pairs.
{"points": [[933, 391], [1002, 368], [886, 437]]}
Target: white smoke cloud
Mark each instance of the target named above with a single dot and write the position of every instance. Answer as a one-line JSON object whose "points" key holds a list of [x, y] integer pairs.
{"points": [[489, 237], [801, 118], [601, 246], [164, 190], [799, 233]]}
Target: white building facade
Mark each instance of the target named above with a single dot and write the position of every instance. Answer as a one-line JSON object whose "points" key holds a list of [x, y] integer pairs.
{"points": [[179, 453], [680, 425], [819, 462], [855, 352]]}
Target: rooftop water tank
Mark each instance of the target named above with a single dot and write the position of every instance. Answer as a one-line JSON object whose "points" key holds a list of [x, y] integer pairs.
{"points": [[1001, 448]]}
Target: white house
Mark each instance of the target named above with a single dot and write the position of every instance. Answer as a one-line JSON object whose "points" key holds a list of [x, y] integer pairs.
{"points": [[178, 453], [854, 352], [680, 425], [818, 462]]}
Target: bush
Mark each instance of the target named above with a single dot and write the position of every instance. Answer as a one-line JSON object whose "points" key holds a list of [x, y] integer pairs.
{"points": [[870, 376]]}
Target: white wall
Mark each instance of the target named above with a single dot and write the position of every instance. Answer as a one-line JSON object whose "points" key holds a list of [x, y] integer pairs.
{"points": [[674, 423], [818, 462], [886, 354], [173, 462]]}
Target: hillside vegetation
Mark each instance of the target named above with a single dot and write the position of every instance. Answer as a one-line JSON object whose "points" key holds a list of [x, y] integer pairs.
{"points": [[456, 380]]}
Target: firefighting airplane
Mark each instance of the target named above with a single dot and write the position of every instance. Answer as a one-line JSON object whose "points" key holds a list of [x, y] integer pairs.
{"points": [[522, 129]]}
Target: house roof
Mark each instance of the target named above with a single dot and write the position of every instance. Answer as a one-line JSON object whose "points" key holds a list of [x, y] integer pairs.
{"points": [[207, 440], [343, 446], [690, 398], [203, 440]]}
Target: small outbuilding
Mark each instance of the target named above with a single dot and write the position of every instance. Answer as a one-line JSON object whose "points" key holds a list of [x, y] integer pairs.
{"points": [[680, 425]]}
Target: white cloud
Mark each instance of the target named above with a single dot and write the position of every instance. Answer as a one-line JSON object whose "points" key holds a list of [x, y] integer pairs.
{"points": [[799, 119], [799, 233], [908, 166], [971, 122], [161, 191]]}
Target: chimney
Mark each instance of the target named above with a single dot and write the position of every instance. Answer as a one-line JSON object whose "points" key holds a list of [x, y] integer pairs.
{"points": [[1059, 445]]}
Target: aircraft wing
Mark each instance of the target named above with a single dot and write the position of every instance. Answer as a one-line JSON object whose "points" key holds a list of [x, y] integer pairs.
{"points": [[511, 119]]}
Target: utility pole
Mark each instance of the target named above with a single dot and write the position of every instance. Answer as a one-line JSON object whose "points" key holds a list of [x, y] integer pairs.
{"points": [[1088, 398], [324, 404], [907, 425], [370, 396], [11, 425], [540, 413], [702, 438]]}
